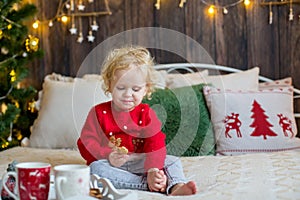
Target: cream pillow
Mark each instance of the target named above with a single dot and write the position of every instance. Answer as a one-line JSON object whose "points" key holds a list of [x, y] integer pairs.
{"points": [[236, 81], [277, 83], [64, 105], [188, 79], [252, 121]]}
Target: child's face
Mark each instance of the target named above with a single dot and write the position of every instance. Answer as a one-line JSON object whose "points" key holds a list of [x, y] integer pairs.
{"points": [[128, 88]]}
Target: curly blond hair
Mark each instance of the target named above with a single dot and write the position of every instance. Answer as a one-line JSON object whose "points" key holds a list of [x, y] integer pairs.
{"points": [[124, 58]]}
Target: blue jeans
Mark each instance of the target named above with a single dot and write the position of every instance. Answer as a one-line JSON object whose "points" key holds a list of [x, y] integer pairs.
{"points": [[131, 175]]}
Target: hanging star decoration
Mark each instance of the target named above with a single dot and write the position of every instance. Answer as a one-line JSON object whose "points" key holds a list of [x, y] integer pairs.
{"points": [[90, 37], [94, 26], [81, 7], [80, 38], [73, 30]]}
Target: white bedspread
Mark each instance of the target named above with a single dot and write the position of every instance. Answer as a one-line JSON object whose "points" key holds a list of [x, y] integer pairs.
{"points": [[254, 176]]}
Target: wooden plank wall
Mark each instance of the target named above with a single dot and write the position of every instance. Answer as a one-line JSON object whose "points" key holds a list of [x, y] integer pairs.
{"points": [[241, 39]]}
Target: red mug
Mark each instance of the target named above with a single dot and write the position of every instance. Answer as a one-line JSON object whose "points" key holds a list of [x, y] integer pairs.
{"points": [[32, 181]]}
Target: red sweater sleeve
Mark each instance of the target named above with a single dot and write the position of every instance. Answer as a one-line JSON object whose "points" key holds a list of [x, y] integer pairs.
{"points": [[92, 143], [154, 147]]}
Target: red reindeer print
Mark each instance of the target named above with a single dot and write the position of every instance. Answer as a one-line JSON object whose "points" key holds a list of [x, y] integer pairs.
{"points": [[232, 122], [286, 125]]}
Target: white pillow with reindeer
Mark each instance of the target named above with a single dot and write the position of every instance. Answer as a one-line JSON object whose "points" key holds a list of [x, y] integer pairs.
{"points": [[252, 121]]}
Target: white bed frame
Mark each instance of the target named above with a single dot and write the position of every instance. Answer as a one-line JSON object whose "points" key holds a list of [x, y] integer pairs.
{"points": [[193, 67]]}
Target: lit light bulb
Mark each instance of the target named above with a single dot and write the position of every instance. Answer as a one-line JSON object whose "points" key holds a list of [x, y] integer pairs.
{"points": [[247, 2], [211, 10], [35, 24], [50, 24], [225, 11], [64, 19]]}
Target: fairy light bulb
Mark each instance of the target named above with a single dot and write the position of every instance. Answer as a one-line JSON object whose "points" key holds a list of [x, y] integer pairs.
{"points": [[35, 24], [211, 10], [64, 19], [225, 11], [50, 24], [247, 2]]}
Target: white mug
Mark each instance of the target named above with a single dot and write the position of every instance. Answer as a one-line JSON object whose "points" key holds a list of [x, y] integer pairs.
{"points": [[32, 181], [71, 180]]}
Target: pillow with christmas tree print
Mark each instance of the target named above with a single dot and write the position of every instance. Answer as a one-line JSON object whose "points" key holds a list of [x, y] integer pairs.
{"points": [[252, 121]]}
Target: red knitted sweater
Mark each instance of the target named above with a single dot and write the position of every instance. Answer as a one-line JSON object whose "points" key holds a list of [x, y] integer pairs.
{"points": [[139, 131]]}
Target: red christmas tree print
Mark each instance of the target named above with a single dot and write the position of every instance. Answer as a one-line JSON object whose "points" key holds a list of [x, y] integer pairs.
{"points": [[260, 124]]}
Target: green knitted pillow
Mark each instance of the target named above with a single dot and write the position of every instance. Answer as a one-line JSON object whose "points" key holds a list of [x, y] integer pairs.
{"points": [[185, 119]]}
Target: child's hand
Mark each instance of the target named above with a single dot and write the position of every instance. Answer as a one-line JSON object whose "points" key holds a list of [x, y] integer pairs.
{"points": [[117, 159], [157, 180]]}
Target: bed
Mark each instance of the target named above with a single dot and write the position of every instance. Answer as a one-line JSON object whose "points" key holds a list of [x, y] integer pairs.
{"points": [[230, 159]]}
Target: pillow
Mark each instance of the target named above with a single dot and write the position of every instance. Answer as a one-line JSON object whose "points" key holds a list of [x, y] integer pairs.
{"points": [[252, 121], [277, 83], [64, 105], [160, 78], [185, 120], [188, 79], [244, 80]]}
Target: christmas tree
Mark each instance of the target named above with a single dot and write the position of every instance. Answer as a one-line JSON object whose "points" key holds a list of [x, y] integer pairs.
{"points": [[260, 123], [18, 48]]}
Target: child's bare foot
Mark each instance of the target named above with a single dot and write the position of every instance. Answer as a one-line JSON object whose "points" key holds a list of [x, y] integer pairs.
{"points": [[181, 189]]}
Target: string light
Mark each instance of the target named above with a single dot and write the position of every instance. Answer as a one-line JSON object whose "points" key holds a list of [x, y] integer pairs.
{"points": [[35, 24], [211, 10], [247, 2], [64, 19], [13, 76]]}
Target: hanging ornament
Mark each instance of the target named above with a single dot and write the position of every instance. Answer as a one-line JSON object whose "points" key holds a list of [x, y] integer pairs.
{"points": [[24, 54], [73, 30], [90, 37], [25, 142], [94, 26], [291, 14], [1, 34], [32, 43], [9, 26], [31, 106], [80, 38], [4, 51], [13, 76], [10, 132], [3, 108], [270, 14], [19, 135], [80, 6]]}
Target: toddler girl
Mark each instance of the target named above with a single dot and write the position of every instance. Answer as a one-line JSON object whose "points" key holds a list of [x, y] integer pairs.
{"points": [[121, 139]]}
